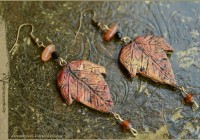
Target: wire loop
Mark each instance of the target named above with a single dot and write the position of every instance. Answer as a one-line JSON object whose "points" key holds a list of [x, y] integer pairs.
{"points": [[61, 61]]}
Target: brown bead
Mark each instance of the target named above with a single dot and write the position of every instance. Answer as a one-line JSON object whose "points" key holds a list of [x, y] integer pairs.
{"points": [[111, 32], [46, 54], [188, 98], [126, 125]]}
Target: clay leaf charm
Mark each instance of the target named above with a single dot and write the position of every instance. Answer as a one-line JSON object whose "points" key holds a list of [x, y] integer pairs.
{"points": [[83, 81], [147, 56]]}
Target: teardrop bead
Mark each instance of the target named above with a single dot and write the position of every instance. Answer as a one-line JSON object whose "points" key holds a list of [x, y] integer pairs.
{"points": [[111, 32], [46, 54]]}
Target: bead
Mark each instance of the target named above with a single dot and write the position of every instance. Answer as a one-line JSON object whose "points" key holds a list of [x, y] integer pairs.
{"points": [[118, 35], [94, 22], [46, 54], [55, 55], [126, 124], [188, 98], [111, 32]]}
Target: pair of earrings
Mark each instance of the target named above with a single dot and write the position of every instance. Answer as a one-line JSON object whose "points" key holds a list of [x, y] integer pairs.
{"points": [[82, 80]]}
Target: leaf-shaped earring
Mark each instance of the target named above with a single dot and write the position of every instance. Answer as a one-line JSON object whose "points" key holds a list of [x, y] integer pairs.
{"points": [[145, 55], [80, 80]]}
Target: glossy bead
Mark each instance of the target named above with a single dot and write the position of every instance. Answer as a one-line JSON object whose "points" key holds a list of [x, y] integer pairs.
{"points": [[111, 32], [118, 35], [55, 55], [46, 54], [188, 98], [126, 125]]}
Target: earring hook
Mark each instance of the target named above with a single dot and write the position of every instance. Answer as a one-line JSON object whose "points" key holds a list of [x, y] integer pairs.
{"points": [[81, 19], [17, 38]]}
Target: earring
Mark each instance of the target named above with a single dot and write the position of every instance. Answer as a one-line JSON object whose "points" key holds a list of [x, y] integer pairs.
{"points": [[145, 55], [80, 80]]}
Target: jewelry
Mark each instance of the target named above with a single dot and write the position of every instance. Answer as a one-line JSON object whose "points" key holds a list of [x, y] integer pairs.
{"points": [[145, 55], [80, 80]]}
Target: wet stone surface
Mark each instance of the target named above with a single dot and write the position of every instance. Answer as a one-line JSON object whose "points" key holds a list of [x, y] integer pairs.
{"points": [[36, 109]]}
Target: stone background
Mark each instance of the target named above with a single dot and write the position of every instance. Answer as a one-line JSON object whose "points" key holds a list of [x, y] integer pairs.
{"points": [[36, 109]]}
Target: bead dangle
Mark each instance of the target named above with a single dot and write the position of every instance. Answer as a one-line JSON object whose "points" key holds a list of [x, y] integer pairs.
{"points": [[49, 51], [145, 55], [125, 124], [80, 80]]}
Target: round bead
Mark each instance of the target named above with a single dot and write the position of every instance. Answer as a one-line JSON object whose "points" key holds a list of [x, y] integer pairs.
{"points": [[111, 32], [118, 35], [55, 55], [188, 98], [46, 54], [126, 124]]}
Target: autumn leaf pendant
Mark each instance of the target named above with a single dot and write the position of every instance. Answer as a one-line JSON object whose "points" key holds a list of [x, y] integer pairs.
{"points": [[147, 56], [83, 81]]}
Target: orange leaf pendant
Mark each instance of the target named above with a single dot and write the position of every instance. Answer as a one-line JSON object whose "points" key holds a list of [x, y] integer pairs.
{"points": [[83, 81], [147, 56]]}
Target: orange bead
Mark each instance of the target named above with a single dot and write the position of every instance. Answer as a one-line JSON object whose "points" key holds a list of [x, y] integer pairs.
{"points": [[46, 54], [111, 32], [188, 98], [126, 124]]}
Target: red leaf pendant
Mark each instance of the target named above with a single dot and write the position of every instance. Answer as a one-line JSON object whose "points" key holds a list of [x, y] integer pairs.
{"points": [[83, 81], [147, 56]]}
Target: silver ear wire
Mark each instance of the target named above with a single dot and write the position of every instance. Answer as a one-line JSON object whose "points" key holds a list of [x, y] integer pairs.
{"points": [[17, 38], [81, 18]]}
